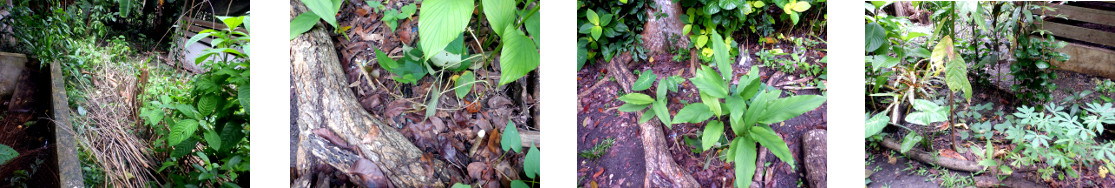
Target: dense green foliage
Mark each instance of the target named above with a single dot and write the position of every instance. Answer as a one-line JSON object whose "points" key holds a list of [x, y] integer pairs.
{"points": [[1062, 139], [609, 28], [213, 112]]}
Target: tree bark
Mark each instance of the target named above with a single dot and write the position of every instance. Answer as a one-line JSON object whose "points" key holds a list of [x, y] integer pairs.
{"points": [[324, 101], [661, 171], [656, 30]]}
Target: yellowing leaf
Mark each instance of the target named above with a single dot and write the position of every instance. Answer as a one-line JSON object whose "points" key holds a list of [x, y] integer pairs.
{"points": [[801, 6]]}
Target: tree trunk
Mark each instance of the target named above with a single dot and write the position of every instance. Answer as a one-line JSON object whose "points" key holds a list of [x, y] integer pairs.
{"points": [[655, 30], [324, 101], [661, 171]]}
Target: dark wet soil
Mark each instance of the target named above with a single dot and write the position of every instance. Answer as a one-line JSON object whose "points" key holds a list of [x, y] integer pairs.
{"points": [[623, 165], [25, 125]]}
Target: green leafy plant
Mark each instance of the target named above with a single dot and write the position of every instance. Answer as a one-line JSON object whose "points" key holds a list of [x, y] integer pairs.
{"points": [[214, 113], [1106, 89], [510, 142], [609, 28], [1062, 139], [391, 16], [746, 107], [597, 150]]}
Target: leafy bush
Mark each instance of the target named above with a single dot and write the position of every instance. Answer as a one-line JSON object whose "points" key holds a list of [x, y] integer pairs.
{"points": [[1063, 139], [747, 107], [609, 28], [214, 113], [1033, 70]]}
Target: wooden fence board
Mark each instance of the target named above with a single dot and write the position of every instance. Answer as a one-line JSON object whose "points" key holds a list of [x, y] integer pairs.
{"points": [[1080, 33], [1088, 60], [1084, 14]]}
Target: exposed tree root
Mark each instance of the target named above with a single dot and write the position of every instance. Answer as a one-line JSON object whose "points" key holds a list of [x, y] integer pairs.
{"points": [[1014, 180]]}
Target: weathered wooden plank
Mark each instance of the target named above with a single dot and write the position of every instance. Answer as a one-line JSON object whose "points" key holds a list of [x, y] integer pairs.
{"points": [[1088, 60], [1080, 33], [1083, 14]]}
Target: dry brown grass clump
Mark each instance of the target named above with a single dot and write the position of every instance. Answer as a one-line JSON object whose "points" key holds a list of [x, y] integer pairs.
{"points": [[108, 131]]}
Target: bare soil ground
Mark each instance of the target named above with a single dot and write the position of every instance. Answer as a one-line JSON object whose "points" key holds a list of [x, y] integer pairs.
{"points": [[25, 125]]}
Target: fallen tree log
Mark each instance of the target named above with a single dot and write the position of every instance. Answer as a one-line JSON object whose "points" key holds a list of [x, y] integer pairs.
{"points": [[661, 170], [325, 101], [1014, 180]]}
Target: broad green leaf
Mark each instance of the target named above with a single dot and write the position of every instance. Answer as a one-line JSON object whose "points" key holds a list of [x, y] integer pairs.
{"points": [[875, 35], [790, 107], [736, 107], [636, 98], [181, 130], [712, 103], [661, 91], [244, 94], [956, 77], [927, 113], [531, 162], [645, 80], [749, 83], [745, 160], [198, 37], [646, 115], [533, 24], [942, 52], [592, 17], [407, 11], [7, 153], [709, 82], [692, 113], [628, 107], [301, 24], [720, 56], [518, 57], [188, 111], [208, 104], [925, 105], [595, 31], [766, 136], [212, 139], [914, 34], [459, 185], [662, 112], [910, 141], [500, 14], [231, 134], [876, 124], [711, 134], [511, 140], [125, 7], [464, 84], [727, 4], [883, 61], [800, 6], [701, 41], [920, 52], [442, 21], [519, 184], [324, 10], [231, 21]]}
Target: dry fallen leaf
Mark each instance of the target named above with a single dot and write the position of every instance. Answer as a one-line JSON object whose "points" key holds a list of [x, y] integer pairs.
{"points": [[951, 154]]}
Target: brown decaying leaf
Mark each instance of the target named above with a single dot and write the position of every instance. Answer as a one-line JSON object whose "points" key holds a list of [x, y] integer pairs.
{"points": [[493, 141], [951, 154], [370, 173], [331, 137]]}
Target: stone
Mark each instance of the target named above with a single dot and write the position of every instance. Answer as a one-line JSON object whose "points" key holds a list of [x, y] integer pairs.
{"points": [[11, 66], [815, 147]]}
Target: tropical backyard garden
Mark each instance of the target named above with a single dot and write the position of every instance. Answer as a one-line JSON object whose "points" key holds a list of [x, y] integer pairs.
{"points": [[701, 93], [989, 94], [403, 93], [122, 93]]}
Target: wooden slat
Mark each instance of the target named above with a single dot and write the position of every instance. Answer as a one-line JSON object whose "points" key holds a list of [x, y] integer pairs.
{"points": [[1084, 14], [1088, 60], [1080, 33]]}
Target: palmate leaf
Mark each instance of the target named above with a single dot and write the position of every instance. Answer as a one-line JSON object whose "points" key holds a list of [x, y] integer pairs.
{"points": [[766, 136], [745, 160], [711, 134], [442, 21], [956, 77], [518, 57], [500, 14]]}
